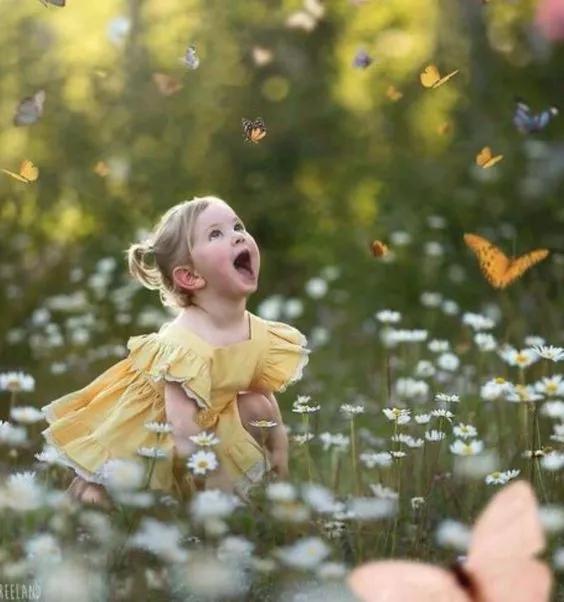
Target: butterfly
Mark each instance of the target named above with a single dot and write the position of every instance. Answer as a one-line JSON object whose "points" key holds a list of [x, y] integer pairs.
{"points": [[498, 269], [444, 128], [101, 169], [529, 123], [362, 59], [167, 85], [500, 565], [378, 248], [254, 130], [308, 18], [28, 172], [30, 109], [431, 78], [191, 58], [485, 158], [262, 56], [53, 2], [393, 93]]}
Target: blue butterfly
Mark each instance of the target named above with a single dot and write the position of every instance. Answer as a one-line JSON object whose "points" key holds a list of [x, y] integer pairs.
{"points": [[528, 122], [362, 59]]}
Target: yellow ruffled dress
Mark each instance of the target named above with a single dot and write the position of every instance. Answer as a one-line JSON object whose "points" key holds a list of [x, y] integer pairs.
{"points": [[105, 420]]}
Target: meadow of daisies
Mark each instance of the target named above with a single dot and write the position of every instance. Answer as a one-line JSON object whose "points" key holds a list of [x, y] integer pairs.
{"points": [[402, 471]]}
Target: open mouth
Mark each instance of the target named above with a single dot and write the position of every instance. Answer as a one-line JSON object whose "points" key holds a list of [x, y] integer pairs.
{"points": [[242, 263]]}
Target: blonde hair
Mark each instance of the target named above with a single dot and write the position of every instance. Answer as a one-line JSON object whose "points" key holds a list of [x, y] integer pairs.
{"points": [[169, 245]]}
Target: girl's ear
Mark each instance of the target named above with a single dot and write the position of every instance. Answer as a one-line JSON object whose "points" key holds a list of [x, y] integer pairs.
{"points": [[185, 277]]}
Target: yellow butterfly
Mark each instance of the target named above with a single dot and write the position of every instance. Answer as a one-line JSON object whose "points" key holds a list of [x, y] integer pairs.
{"points": [[393, 93], [498, 269], [486, 159], [431, 78], [28, 172]]}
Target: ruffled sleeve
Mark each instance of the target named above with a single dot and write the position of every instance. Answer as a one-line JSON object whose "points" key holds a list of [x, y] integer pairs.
{"points": [[163, 360], [285, 357]]}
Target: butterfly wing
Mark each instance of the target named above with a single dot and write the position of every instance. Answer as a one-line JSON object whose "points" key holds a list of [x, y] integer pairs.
{"points": [[521, 264], [522, 117], [378, 248], [492, 161], [508, 528], [445, 79], [484, 156], [15, 175], [395, 581], [29, 171], [430, 76], [515, 580], [393, 93], [166, 84], [254, 130], [492, 261]]}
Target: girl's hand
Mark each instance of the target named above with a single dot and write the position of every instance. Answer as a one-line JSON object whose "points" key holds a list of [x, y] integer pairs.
{"points": [[279, 464]]}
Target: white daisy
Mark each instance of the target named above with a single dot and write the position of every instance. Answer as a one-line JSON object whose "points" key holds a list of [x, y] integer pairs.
{"points": [[556, 354], [387, 316], [523, 393], [205, 439], [521, 358], [159, 427], [477, 321], [464, 431], [336, 440], [438, 345], [460, 448], [202, 462], [401, 416], [372, 459], [152, 452], [485, 341], [448, 362], [495, 388], [434, 435], [448, 398], [306, 553], [352, 410], [441, 413], [422, 418], [552, 386]]}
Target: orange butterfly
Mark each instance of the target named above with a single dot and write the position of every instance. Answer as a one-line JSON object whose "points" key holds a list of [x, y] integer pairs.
{"points": [[485, 158], [431, 78], [393, 93], [378, 248], [496, 266], [444, 128], [28, 172], [101, 169], [167, 85], [500, 566]]}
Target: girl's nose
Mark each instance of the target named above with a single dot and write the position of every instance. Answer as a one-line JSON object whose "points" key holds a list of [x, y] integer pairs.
{"points": [[238, 238]]}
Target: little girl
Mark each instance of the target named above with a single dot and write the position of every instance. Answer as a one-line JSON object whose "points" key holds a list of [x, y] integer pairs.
{"points": [[213, 367]]}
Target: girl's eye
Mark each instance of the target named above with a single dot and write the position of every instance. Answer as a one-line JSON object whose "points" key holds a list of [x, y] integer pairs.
{"points": [[213, 232], [241, 227]]}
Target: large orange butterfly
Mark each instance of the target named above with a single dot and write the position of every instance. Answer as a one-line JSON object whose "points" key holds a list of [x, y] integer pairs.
{"points": [[499, 270], [500, 565]]}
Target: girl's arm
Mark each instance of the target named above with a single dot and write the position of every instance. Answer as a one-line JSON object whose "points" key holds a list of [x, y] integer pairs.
{"points": [[181, 412]]}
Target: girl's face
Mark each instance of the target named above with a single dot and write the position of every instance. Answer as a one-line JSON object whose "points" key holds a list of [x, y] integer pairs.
{"points": [[224, 253]]}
